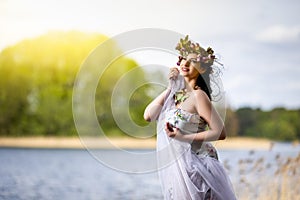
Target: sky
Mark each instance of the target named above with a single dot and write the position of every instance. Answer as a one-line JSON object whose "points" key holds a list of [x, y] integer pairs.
{"points": [[258, 40]]}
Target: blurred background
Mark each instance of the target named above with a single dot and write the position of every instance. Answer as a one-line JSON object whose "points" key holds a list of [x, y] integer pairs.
{"points": [[44, 43]]}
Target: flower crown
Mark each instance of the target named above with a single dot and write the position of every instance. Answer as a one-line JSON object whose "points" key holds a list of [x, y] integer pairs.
{"points": [[185, 47]]}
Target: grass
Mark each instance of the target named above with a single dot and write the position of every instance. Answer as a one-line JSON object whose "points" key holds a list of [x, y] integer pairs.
{"points": [[259, 179]]}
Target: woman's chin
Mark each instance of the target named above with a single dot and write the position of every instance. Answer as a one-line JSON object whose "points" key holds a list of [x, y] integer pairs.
{"points": [[184, 73]]}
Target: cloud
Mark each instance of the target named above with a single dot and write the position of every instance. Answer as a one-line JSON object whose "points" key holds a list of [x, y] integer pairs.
{"points": [[279, 34]]}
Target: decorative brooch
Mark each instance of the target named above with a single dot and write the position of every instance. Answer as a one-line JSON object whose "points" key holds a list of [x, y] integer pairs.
{"points": [[180, 96]]}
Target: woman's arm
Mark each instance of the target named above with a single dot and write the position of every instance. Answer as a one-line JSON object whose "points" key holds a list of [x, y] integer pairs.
{"points": [[207, 111], [153, 109]]}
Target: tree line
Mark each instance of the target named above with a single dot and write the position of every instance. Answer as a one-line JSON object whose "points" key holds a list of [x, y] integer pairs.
{"points": [[277, 124]]}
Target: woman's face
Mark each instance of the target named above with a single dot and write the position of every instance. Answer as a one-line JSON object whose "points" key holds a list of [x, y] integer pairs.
{"points": [[190, 67]]}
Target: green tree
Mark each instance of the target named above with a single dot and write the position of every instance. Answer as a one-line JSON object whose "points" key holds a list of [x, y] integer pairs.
{"points": [[231, 122], [277, 124], [37, 78], [278, 130], [248, 119]]}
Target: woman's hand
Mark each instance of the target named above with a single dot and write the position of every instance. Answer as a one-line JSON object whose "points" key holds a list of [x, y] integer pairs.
{"points": [[175, 133], [174, 72], [170, 130]]}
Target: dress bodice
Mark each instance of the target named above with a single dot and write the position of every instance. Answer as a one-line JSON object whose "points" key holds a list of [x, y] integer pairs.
{"points": [[190, 123], [187, 122]]}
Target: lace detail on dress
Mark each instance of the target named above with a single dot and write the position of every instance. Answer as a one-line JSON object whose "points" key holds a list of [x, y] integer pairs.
{"points": [[171, 196], [207, 149]]}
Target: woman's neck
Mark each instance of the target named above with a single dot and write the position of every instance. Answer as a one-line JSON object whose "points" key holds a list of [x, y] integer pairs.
{"points": [[190, 83]]}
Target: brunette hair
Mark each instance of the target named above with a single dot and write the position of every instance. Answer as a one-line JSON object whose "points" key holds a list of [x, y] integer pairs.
{"points": [[203, 80]]}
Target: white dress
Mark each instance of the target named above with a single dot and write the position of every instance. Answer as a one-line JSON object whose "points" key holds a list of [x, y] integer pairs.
{"points": [[188, 172]]}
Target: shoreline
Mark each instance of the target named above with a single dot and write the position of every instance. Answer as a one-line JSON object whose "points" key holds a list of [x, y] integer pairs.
{"points": [[235, 143]]}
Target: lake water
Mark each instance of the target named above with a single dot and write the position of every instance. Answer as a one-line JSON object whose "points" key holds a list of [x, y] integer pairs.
{"points": [[75, 174]]}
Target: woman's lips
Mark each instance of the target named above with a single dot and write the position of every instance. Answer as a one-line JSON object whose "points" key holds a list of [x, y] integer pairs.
{"points": [[185, 69]]}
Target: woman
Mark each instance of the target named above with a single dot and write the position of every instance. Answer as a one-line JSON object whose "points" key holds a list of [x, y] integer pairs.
{"points": [[187, 121]]}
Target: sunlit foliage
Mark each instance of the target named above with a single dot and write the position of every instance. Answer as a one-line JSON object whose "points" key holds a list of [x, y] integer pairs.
{"points": [[37, 78]]}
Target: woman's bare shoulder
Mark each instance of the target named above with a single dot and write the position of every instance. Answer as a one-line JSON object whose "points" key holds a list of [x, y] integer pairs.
{"points": [[203, 104], [200, 95]]}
